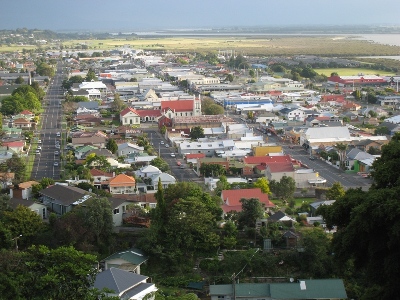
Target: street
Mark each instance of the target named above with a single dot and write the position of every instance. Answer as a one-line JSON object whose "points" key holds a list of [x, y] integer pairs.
{"points": [[51, 124]]}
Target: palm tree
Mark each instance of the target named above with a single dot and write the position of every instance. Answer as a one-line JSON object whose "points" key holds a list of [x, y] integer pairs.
{"points": [[341, 150]]}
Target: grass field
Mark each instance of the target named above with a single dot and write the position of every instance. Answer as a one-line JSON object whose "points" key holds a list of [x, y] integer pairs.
{"points": [[261, 46], [352, 71]]}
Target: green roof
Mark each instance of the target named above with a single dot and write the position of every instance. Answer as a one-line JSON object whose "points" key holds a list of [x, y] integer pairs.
{"points": [[86, 148], [133, 256], [310, 289]]}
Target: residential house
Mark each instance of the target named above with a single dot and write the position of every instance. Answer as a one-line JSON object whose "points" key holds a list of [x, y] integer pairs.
{"points": [[276, 170], [192, 158], [315, 205], [99, 152], [96, 138], [281, 217], [359, 161], [128, 260], [231, 199], [118, 207], [293, 114], [367, 144], [15, 146], [147, 171], [100, 178], [129, 116], [125, 285], [165, 178], [307, 289], [61, 199], [122, 184], [22, 123], [81, 150], [6, 179], [23, 190], [129, 148], [36, 207]]}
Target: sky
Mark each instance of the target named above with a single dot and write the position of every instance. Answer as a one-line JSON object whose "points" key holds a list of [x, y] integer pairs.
{"points": [[139, 15]]}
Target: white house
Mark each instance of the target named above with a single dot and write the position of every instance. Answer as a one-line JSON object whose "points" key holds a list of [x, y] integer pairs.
{"points": [[129, 116], [148, 171], [128, 148], [165, 178]]}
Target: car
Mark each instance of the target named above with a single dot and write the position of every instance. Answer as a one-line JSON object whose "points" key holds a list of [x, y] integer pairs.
{"points": [[39, 141], [172, 154], [37, 152], [269, 134], [162, 142], [166, 146], [312, 157], [58, 134], [56, 153], [57, 146], [39, 147], [181, 167], [55, 164]]}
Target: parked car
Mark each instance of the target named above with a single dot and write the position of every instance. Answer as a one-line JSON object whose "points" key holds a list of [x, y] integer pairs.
{"points": [[39, 141], [57, 146], [56, 153], [172, 154], [37, 152], [58, 134], [56, 164], [39, 147]]}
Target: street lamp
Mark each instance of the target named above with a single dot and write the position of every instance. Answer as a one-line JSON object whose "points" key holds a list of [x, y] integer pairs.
{"points": [[16, 241]]}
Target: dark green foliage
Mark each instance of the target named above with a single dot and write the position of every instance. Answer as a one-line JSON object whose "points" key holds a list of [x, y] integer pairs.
{"points": [[112, 145], [252, 210], [196, 132], [284, 189], [208, 170]]}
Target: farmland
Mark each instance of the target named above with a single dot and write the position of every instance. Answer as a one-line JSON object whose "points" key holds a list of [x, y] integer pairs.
{"points": [[351, 71]]}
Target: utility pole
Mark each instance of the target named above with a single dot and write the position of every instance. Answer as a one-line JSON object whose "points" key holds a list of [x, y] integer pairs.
{"points": [[234, 286]]}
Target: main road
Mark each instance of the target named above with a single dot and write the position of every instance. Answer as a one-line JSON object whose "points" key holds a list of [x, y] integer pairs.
{"points": [[44, 165]]}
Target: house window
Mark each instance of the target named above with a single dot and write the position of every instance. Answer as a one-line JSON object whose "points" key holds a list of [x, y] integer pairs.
{"points": [[116, 211]]}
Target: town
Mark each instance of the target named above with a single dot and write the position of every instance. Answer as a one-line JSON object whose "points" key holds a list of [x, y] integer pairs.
{"points": [[177, 174]]}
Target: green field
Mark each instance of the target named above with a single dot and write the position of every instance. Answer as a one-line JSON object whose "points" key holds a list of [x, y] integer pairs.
{"points": [[246, 45], [352, 71]]}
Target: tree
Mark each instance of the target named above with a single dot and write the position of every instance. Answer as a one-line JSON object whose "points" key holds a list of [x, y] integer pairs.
{"points": [[118, 104], [43, 273], [284, 189], [221, 185], [16, 165], [196, 132], [336, 191], [214, 109], [208, 170], [252, 209], [341, 150], [19, 80], [23, 221], [43, 69], [160, 163], [112, 145], [252, 73], [91, 75], [263, 184], [229, 77], [372, 114], [163, 129], [382, 130]]}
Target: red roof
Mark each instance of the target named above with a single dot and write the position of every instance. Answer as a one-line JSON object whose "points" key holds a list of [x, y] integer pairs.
{"points": [[258, 160], [231, 198], [128, 110], [177, 105], [195, 155], [13, 144], [26, 112], [281, 167], [148, 112], [96, 172]]}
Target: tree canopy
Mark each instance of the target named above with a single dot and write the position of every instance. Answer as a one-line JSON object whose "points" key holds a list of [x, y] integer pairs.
{"points": [[196, 132]]}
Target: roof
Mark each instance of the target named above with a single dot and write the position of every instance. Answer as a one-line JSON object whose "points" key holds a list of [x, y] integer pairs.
{"points": [[26, 112], [134, 256], [65, 195], [14, 144], [317, 204], [14, 202], [303, 289], [309, 289], [122, 180], [128, 110], [231, 198], [257, 160], [27, 184], [148, 112], [338, 132], [117, 280], [96, 172], [195, 155], [280, 167], [177, 105]]}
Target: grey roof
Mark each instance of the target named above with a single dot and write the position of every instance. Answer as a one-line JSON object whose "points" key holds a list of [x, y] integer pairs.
{"points": [[117, 280], [136, 290], [319, 203], [89, 105], [312, 289], [65, 195], [304, 289], [134, 256], [115, 202], [14, 202], [359, 155], [277, 216], [99, 152]]}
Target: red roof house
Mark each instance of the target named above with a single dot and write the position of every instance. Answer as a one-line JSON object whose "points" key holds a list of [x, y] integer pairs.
{"points": [[231, 199]]}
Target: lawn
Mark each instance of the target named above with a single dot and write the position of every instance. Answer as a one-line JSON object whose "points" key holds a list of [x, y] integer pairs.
{"points": [[351, 71]]}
